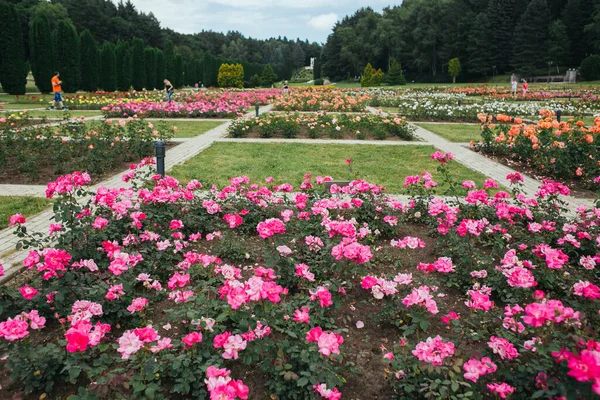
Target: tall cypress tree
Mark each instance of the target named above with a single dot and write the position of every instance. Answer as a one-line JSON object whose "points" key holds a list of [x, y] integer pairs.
{"points": [[108, 76], [531, 37], [190, 73], [150, 60], [89, 62], [480, 59], [13, 68], [170, 61], [123, 65], [161, 73], [500, 13], [178, 81], [41, 53], [576, 15], [138, 58], [317, 68], [199, 70], [67, 56]]}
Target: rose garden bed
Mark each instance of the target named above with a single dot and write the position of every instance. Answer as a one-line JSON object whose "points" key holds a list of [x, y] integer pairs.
{"points": [[161, 291]]}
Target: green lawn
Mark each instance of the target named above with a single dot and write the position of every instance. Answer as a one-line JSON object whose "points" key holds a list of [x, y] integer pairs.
{"points": [[189, 129], [460, 133], [24, 105], [288, 162], [58, 113], [27, 206]]}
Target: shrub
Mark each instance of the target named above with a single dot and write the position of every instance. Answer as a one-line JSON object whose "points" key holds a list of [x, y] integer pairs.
{"points": [[254, 81], [454, 68], [367, 78], [268, 76], [13, 68], [395, 75], [590, 68], [231, 75], [318, 82]]}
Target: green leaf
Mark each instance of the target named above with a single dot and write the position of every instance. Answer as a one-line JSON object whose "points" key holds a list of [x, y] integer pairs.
{"points": [[303, 381], [454, 386]]}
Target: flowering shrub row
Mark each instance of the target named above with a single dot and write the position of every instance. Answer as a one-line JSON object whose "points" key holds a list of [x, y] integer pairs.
{"points": [[159, 292], [567, 149], [335, 126], [321, 99], [77, 145]]}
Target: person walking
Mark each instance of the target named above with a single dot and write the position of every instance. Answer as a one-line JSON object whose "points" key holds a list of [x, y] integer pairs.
{"points": [[525, 87], [286, 87], [515, 85], [168, 89], [57, 90]]}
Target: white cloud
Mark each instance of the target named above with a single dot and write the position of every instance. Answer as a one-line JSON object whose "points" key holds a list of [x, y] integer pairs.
{"points": [[323, 22]]}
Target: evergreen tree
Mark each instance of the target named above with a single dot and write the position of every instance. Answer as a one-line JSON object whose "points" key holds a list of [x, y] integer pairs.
{"points": [[108, 72], [123, 65], [13, 68], [200, 71], [170, 61], [89, 62], [558, 47], [578, 14], [500, 13], [67, 56], [41, 53], [268, 76], [479, 61], [254, 81], [150, 61], [178, 80], [454, 68], [190, 73], [138, 59], [160, 69], [367, 76], [531, 37], [395, 75], [317, 68]]}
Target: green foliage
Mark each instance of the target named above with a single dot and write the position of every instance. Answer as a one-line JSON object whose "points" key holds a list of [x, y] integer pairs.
{"points": [[371, 77], [268, 77], [395, 75], [254, 81], [531, 37], [67, 56], [480, 59], [13, 69], [108, 71], [138, 60], [178, 75], [590, 68], [318, 82], [317, 68], [41, 53], [454, 68], [558, 44], [89, 62], [231, 75], [160, 68], [169, 51], [150, 61], [123, 65]]}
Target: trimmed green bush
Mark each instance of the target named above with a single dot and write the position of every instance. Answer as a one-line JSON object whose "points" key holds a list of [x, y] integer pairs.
{"points": [[138, 58], [89, 62], [231, 75], [108, 72], [67, 56], [590, 68], [13, 68], [41, 54]]}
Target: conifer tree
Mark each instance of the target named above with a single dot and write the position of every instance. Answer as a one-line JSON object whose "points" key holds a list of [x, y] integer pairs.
{"points": [[531, 37], [108, 73], [178, 77], [123, 65], [395, 75], [367, 77], [13, 67], [169, 52], [89, 62], [41, 53], [150, 60], [138, 59], [67, 56], [161, 73], [268, 76]]}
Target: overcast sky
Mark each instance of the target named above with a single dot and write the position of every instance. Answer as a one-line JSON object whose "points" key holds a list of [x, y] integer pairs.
{"points": [[306, 19]]}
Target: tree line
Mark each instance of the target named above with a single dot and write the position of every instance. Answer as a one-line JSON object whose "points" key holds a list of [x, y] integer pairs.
{"points": [[136, 38], [489, 37]]}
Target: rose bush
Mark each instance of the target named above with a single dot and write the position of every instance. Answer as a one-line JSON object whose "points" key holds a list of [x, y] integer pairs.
{"points": [[163, 290], [321, 99]]}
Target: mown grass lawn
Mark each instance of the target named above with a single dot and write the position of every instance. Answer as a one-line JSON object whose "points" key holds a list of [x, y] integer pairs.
{"points": [[189, 129], [55, 113], [27, 206], [288, 162], [459, 133]]}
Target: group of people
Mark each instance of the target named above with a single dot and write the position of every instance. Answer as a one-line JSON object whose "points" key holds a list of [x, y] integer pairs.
{"points": [[515, 86], [57, 103]]}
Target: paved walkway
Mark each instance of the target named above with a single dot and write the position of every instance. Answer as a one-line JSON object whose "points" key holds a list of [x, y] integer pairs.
{"points": [[12, 259], [484, 165]]}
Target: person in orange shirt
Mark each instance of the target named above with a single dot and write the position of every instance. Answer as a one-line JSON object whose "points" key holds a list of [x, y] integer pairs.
{"points": [[57, 89]]}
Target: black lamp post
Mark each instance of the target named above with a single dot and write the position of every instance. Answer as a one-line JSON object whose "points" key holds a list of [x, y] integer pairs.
{"points": [[160, 151]]}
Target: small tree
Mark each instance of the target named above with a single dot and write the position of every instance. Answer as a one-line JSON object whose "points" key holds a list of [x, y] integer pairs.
{"points": [[367, 78], [122, 58], [89, 62], [231, 75], [150, 59], [138, 59], [454, 68], [41, 53], [178, 80], [108, 72], [268, 76], [67, 56], [378, 77], [13, 68], [590, 68], [161, 69], [254, 81], [395, 75], [169, 53], [317, 68]]}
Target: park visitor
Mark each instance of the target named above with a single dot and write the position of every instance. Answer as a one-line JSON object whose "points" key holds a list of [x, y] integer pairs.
{"points": [[57, 89], [525, 86], [514, 87], [168, 89], [286, 87]]}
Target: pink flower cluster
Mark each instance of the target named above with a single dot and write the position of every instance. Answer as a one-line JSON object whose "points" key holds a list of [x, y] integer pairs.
{"points": [[352, 250], [476, 368], [67, 183], [502, 389], [379, 287], [231, 344], [505, 349], [443, 265], [54, 262], [270, 227], [421, 296], [550, 311], [18, 327], [328, 342], [328, 394], [259, 287], [410, 242], [222, 387], [433, 350], [133, 340]]}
